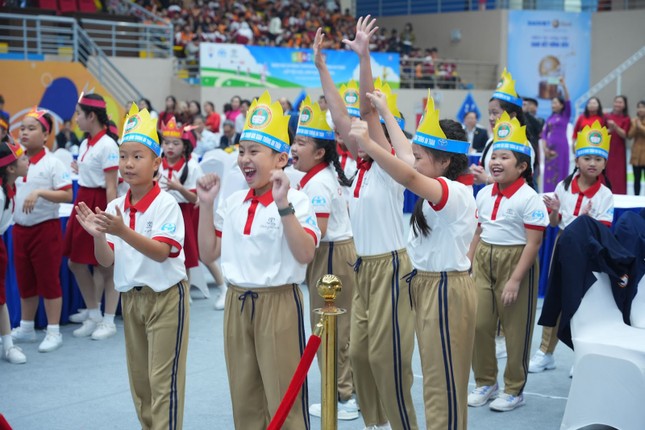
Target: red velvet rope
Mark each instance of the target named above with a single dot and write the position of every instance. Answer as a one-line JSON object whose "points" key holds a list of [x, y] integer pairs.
{"points": [[296, 382]]}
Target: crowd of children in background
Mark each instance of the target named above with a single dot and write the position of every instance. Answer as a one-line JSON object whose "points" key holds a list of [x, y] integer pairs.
{"points": [[468, 265]]}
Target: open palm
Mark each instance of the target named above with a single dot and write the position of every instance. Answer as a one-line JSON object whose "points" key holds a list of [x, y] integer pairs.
{"points": [[365, 29]]}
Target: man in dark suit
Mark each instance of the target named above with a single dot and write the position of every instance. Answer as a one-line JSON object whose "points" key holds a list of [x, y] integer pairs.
{"points": [[477, 136], [229, 137]]}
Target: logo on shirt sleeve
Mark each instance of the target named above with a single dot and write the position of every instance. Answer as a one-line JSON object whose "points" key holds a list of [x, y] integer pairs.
{"points": [[610, 212], [311, 221], [113, 157], [66, 176], [168, 228], [537, 215], [318, 201]]}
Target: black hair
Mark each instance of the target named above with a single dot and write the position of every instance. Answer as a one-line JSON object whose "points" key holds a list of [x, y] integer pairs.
{"points": [[641, 103], [471, 111], [331, 157], [148, 104], [458, 166], [4, 151], [227, 107], [199, 108], [560, 100], [188, 149], [510, 109], [528, 173], [101, 114], [198, 116], [587, 113], [174, 102], [568, 179], [626, 110], [211, 104]]}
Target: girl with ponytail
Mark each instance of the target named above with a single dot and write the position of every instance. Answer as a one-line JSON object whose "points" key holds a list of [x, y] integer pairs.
{"points": [[314, 153], [97, 167]]}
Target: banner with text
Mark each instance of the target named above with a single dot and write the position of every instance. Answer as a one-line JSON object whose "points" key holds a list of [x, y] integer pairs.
{"points": [[544, 46], [229, 65]]}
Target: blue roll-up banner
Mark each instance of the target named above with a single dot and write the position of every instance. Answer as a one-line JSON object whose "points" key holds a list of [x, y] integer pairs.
{"points": [[230, 65], [544, 46]]}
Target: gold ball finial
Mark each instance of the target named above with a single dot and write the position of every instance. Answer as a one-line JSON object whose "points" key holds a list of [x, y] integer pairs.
{"points": [[329, 286]]}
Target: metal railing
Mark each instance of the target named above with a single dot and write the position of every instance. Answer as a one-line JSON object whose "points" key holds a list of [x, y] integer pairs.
{"points": [[131, 39], [614, 75], [448, 74], [37, 36], [412, 7]]}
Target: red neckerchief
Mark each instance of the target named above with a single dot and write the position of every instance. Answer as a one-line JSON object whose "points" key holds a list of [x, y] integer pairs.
{"points": [[311, 173], [466, 179], [92, 141], [363, 167], [176, 167], [364, 164], [343, 155]]}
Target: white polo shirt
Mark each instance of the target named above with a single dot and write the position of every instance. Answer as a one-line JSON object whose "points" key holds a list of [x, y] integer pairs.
{"points": [[194, 173], [376, 212], [326, 195], [573, 201], [505, 215], [45, 172], [7, 214], [453, 222], [255, 252], [156, 216], [96, 156], [348, 164]]}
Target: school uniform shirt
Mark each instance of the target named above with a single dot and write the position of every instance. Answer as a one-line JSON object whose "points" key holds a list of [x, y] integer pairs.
{"points": [[255, 252], [376, 211], [326, 195], [156, 216], [453, 222], [7, 214], [573, 201], [171, 172], [504, 215], [96, 156], [45, 172]]}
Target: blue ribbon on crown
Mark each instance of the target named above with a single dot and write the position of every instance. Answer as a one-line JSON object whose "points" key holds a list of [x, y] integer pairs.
{"points": [[144, 140], [317, 134], [266, 140], [513, 146], [507, 97], [592, 151], [441, 143], [399, 121], [352, 111]]}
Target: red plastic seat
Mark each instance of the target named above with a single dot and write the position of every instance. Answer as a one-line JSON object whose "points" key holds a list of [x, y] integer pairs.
{"points": [[86, 6], [47, 4], [66, 6]]}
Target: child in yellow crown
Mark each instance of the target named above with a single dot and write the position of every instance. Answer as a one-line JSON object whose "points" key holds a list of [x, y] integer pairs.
{"points": [[512, 218], [142, 234], [266, 236]]}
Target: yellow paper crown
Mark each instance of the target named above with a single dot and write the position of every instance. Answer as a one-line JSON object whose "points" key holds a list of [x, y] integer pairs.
{"points": [[593, 140], [312, 121], [267, 124], [391, 98], [170, 129], [430, 134], [506, 89], [350, 94], [139, 127], [511, 135]]}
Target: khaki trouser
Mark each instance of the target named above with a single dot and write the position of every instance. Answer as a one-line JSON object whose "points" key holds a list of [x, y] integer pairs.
{"points": [[264, 338], [445, 306], [492, 268], [382, 335], [549, 338], [336, 258], [156, 341]]}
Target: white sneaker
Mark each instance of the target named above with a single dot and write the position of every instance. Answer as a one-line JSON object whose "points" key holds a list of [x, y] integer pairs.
{"points": [[347, 411], [220, 301], [80, 316], [571, 372], [14, 355], [481, 395], [103, 331], [500, 347], [52, 342], [507, 402], [88, 327], [541, 362], [20, 335]]}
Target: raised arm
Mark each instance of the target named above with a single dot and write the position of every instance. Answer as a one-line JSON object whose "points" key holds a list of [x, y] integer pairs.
{"points": [[399, 140], [365, 28], [339, 114], [425, 187]]}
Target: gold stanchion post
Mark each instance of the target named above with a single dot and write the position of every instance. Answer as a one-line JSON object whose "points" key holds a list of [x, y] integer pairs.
{"points": [[329, 286]]}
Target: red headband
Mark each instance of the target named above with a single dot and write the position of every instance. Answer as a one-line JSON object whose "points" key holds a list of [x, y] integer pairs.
{"points": [[39, 115], [82, 100], [16, 152]]}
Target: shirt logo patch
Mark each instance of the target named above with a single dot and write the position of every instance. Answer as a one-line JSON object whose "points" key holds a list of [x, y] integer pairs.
{"points": [[610, 212], [537, 215], [318, 201], [113, 157], [66, 175], [311, 221], [271, 223], [168, 228]]}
